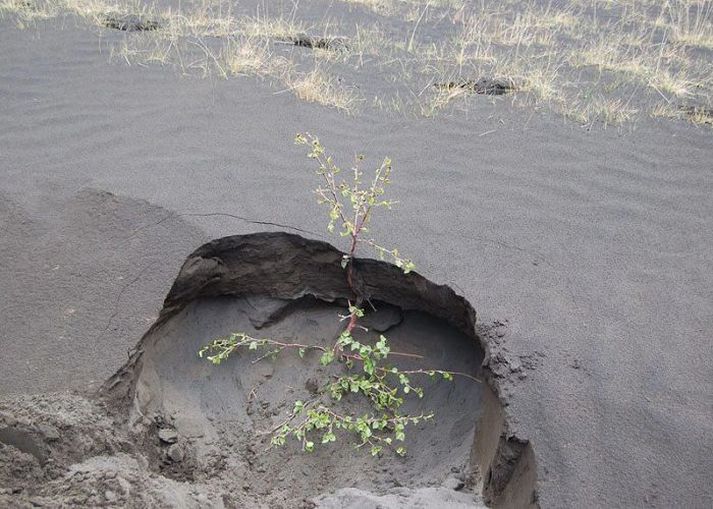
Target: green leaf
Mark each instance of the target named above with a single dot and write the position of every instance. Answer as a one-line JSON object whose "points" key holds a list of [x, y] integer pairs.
{"points": [[368, 366], [327, 358], [309, 446], [301, 352], [354, 310]]}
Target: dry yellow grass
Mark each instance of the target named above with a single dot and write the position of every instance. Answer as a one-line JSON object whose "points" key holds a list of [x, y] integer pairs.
{"points": [[699, 116], [275, 28], [25, 11], [601, 109], [653, 49], [691, 22], [320, 87]]}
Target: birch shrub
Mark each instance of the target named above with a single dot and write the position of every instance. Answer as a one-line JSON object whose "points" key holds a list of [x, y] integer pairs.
{"points": [[367, 369]]}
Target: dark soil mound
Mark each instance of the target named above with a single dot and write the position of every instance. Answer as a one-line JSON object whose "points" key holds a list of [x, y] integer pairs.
{"points": [[485, 86], [130, 23]]}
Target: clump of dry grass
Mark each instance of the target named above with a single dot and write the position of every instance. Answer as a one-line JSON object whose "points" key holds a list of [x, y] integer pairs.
{"points": [[654, 65], [697, 115], [203, 22], [320, 87], [26, 11], [405, 7], [691, 22], [601, 109], [250, 56], [275, 28], [247, 57], [551, 52], [96, 12], [437, 98]]}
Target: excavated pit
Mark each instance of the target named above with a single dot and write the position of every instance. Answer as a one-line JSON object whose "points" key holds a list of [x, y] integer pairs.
{"points": [[177, 421]]}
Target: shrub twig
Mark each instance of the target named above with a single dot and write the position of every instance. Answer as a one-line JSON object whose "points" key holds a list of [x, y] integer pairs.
{"points": [[384, 386]]}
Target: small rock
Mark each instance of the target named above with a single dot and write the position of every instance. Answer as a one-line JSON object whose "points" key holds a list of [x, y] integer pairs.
{"points": [[312, 385], [175, 453], [453, 483], [385, 317], [168, 435], [50, 433], [125, 486], [515, 365], [8, 419], [263, 311], [110, 496]]}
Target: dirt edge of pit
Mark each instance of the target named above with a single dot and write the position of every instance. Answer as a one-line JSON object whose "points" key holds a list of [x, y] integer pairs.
{"points": [[287, 266]]}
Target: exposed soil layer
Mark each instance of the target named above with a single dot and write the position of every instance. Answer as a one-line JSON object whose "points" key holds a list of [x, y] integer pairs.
{"points": [[131, 23], [170, 426], [701, 114], [311, 42], [485, 86]]}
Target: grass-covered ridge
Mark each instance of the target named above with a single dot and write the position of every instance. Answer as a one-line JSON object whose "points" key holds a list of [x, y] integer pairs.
{"points": [[591, 61]]}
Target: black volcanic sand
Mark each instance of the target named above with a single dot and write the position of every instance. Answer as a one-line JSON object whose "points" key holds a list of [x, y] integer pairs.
{"points": [[202, 429], [588, 254]]}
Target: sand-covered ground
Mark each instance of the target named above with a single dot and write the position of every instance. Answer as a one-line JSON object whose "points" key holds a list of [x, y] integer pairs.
{"points": [[588, 245]]}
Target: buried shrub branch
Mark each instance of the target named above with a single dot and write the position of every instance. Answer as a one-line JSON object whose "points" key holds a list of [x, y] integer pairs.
{"points": [[358, 368]]}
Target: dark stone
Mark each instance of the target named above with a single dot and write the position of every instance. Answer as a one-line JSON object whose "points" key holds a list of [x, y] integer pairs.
{"points": [[325, 43], [130, 23], [312, 385], [175, 453], [383, 318], [485, 86]]}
